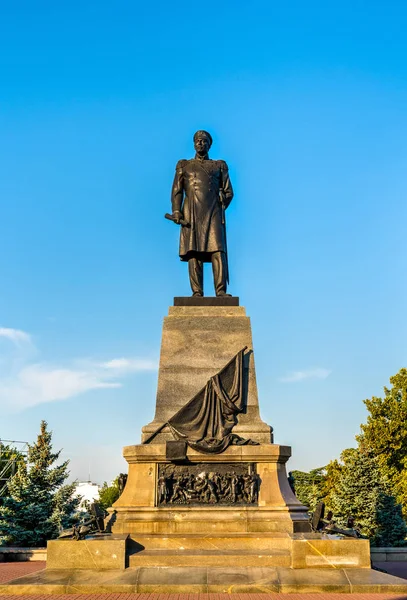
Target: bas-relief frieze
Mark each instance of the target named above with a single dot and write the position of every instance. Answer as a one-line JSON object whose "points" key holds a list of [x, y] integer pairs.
{"points": [[206, 483]]}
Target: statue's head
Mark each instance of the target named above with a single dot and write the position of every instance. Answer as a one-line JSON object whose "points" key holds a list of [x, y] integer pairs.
{"points": [[202, 142]]}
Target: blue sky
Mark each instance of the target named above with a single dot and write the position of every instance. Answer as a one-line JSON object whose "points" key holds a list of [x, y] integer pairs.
{"points": [[98, 100]]}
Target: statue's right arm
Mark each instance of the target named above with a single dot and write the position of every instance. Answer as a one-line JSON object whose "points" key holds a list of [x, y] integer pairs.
{"points": [[177, 194]]}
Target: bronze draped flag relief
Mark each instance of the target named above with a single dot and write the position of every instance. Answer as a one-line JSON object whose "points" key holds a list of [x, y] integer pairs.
{"points": [[206, 421]]}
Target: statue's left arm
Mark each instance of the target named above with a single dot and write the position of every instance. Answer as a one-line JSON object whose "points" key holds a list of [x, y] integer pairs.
{"points": [[226, 183]]}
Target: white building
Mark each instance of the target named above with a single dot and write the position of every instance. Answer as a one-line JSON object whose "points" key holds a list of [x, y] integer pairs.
{"points": [[89, 492]]}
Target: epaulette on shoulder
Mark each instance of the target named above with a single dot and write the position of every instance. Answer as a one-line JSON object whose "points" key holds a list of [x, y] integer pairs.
{"points": [[222, 164], [181, 163]]}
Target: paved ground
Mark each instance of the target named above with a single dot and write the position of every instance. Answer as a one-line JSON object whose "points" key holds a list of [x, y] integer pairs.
{"points": [[13, 570]]}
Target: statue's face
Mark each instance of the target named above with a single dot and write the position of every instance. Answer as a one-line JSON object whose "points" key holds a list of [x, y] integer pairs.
{"points": [[202, 145]]}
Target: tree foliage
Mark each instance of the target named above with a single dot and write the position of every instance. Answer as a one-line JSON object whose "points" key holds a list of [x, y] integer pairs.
{"points": [[108, 494], [385, 434], [355, 486], [309, 486], [317, 485], [361, 491], [369, 482], [9, 459], [38, 504]]}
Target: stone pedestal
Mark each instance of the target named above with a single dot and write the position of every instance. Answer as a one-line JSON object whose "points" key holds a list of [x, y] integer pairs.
{"points": [[219, 531], [276, 510], [272, 532], [200, 336], [102, 552], [197, 342]]}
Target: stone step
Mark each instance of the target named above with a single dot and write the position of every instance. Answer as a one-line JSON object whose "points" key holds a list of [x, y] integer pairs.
{"points": [[201, 579], [230, 541], [210, 558]]}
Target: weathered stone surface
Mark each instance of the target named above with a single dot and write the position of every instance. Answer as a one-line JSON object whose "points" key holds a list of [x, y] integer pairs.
{"points": [[310, 552], [246, 579], [313, 580], [173, 579], [264, 453], [99, 553], [278, 509], [371, 581], [140, 489], [210, 558], [263, 543], [176, 579], [197, 342]]}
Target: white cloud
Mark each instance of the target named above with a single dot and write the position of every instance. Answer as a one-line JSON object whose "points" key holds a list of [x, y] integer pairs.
{"points": [[129, 365], [15, 335], [317, 373], [24, 383]]}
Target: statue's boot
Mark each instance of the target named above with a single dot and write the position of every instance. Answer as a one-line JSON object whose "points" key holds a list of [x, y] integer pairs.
{"points": [[222, 293]]}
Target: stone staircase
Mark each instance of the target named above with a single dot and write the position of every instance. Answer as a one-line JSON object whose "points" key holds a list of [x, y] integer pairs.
{"points": [[229, 550]]}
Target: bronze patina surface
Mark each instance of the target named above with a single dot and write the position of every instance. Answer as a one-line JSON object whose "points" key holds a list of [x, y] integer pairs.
{"points": [[204, 483], [201, 193]]}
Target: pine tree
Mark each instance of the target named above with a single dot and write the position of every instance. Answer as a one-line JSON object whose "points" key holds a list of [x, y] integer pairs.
{"points": [[361, 491], [38, 505], [391, 527], [9, 459]]}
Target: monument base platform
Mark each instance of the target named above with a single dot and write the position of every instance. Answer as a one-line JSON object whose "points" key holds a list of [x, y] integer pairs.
{"points": [[204, 579], [140, 510], [101, 552]]}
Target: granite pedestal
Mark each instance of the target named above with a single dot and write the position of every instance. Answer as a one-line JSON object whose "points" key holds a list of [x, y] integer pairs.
{"points": [[198, 340], [102, 552], [277, 509], [200, 335]]}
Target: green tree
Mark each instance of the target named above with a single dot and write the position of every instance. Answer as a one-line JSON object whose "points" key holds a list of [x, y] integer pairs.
{"points": [[361, 491], [317, 485], [9, 459], [108, 494], [39, 504], [309, 487], [333, 473], [385, 434]]}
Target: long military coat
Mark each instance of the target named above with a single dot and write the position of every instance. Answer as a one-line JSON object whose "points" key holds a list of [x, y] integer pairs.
{"points": [[195, 192]]}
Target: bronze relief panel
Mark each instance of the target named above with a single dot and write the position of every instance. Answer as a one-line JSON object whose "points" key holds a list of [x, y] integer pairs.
{"points": [[207, 483]]}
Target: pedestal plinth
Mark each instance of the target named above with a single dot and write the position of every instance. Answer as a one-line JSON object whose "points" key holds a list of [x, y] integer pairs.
{"points": [[198, 340], [198, 510], [276, 509], [102, 552]]}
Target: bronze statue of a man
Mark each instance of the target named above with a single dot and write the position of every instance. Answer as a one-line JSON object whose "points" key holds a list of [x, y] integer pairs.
{"points": [[201, 192]]}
